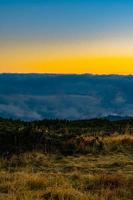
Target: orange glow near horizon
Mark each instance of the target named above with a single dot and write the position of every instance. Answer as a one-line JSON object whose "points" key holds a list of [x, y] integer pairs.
{"points": [[88, 65], [96, 57]]}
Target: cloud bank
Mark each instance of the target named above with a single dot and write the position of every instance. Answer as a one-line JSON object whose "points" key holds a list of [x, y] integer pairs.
{"points": [[38, 96]]}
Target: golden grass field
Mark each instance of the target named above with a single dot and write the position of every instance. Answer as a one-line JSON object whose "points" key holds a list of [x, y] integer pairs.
{"points": [[94, 176]]}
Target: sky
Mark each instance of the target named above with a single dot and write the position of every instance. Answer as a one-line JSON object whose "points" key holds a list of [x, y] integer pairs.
{"points": [[66, 36]]}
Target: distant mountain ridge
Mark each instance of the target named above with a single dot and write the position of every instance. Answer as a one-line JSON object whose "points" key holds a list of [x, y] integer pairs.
{"points": [[38, 96], [117, 118]]}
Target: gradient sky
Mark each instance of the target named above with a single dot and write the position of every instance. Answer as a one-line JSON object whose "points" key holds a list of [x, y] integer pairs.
{"points": [[66, 36]]}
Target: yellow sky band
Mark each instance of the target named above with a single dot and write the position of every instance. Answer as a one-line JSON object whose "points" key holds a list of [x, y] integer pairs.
{"points": [[95, 65], [98, 57]]}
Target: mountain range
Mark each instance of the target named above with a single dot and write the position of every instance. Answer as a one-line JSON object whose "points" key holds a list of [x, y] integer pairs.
{"points": [[39, 96]]}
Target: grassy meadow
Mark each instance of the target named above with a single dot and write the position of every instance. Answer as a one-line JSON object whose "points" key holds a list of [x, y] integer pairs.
{"points": [[96, 168]]}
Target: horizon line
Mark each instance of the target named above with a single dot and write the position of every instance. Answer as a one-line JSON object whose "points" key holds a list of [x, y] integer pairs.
{"points": [[78, 74]]}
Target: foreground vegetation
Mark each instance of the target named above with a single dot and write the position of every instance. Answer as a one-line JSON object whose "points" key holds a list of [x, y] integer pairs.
{"points": [[38, 163]]}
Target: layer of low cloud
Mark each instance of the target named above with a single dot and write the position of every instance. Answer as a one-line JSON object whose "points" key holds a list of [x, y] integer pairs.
{"points": [[33, 96]]}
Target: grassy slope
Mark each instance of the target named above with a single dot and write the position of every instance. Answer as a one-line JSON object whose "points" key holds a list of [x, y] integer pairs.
{"points": [[107, 175]]}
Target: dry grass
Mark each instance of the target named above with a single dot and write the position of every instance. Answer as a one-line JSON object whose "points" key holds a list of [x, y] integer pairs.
{"points": [[85, 144], [36, 176], [119, 143]]}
